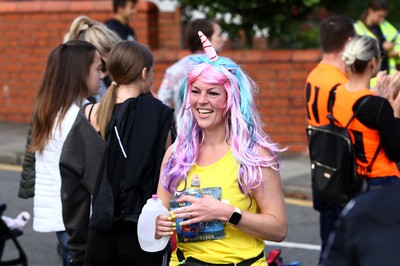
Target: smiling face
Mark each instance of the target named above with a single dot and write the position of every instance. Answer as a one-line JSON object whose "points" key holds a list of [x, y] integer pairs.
{"points": [[95, 75], [208, 102]]}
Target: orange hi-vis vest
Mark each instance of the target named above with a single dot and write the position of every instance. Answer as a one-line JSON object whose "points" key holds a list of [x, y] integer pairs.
{"points": [[365, 140], [319, 83]]}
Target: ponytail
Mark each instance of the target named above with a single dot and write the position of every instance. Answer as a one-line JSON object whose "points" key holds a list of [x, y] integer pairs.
{"points": [[106, 107]]}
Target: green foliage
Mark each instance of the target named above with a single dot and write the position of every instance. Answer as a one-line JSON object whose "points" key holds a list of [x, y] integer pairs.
{"points": [[284, 23], [273, 17]]}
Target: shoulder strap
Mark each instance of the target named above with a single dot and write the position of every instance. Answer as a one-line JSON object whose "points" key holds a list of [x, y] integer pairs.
{"points": [[363, 101], [332, 98], [90, 112], [369, 167]]}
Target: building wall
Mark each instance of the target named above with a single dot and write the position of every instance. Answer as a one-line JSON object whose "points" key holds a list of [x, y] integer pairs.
{"points": [[30, 29]]}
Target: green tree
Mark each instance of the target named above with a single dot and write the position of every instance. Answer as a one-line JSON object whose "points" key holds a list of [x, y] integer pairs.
{"points": [[284, 23], [277, 20]]}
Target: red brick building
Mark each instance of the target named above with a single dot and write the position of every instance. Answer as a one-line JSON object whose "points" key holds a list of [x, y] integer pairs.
{"points": [[29, 29]]}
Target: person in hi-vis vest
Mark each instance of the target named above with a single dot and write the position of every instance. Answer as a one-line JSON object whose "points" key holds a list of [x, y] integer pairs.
{"points": [[374, 24]]}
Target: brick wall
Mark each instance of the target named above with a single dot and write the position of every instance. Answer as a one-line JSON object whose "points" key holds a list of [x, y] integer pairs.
{"points": [[30, 29]]}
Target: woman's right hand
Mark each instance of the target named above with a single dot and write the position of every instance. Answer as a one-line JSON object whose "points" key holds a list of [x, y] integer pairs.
{"points": [[165, 225]]}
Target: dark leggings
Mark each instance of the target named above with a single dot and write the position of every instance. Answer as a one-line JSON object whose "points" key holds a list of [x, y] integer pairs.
{"points": [[119, 248]]}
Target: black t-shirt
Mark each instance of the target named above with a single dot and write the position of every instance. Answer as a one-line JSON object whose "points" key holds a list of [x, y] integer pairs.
{"points": [[124, 31]]}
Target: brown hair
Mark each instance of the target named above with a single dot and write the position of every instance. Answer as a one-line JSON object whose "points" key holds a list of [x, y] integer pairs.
{"points": [[334, 32], [205, 25], [375, 5], [122, 3], [64, 82], [125, 65]]}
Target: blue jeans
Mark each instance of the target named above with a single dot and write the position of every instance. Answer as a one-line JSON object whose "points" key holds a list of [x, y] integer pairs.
{"points": [[63, 238], [375, 183]]}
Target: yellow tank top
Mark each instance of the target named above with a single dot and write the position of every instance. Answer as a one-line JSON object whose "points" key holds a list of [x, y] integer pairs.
{"points": [[237, 245]]}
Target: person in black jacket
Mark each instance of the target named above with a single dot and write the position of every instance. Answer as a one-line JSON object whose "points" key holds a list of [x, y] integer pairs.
{"points": [[367, 231], [136, 128], [123, 11]]}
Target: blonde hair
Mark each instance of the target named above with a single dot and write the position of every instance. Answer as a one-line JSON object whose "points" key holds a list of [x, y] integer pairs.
{"points": [[85, 29], [359, 51]]}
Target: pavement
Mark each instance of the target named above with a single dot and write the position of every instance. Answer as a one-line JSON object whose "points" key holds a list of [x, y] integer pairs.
{"points": [[295, 166]]}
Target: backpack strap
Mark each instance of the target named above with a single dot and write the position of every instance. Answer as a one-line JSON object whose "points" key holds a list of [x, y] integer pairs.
{"points": [[369, 167], [331, 102], [363, 101], [90, 112], [332, 98]]}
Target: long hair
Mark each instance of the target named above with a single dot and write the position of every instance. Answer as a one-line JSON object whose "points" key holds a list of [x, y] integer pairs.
{"points": [[125, 65], [85, 29], [64, 82], [242, 122]]}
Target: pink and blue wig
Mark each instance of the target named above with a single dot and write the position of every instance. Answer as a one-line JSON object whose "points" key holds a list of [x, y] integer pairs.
{"points": [[242, 121]]}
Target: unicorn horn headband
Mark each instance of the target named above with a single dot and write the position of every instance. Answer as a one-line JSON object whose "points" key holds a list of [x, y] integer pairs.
{"points": [[208, 48]]}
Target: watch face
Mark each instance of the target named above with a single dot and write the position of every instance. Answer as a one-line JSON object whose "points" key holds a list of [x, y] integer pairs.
{"points": [[235, 218]]}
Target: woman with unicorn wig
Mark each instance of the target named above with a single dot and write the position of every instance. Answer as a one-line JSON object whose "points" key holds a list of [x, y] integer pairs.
{"points": [[220, 140]]}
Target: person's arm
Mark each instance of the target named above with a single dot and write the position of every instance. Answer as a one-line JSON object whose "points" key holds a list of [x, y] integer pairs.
{"points": [[378, 114], [80, 161], [271, 223], [164, 224], [389, 131], [75, 197]]}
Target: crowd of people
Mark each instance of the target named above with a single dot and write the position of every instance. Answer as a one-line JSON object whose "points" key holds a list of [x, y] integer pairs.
{"points": [[360, 61], [101, 144]]}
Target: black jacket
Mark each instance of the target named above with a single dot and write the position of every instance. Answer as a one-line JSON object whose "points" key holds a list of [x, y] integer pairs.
{"points": [[136, 140], [367, 232]]}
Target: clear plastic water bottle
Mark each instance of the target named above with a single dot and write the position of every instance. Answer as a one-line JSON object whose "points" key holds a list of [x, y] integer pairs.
{"points": [[147, 225], [191, 231]]}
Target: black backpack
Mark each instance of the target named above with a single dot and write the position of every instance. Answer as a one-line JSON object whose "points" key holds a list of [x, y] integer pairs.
{"points": [[333, 159]]}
